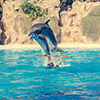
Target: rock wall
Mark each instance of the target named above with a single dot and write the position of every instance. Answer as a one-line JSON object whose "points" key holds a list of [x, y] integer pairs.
{"points": [[71, 22], [10, 11], [51, 6], [16, 24], [91, 25]]}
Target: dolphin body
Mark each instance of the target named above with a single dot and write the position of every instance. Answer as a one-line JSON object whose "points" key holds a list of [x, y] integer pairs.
{"points": [[43, 43], [40, 32]]}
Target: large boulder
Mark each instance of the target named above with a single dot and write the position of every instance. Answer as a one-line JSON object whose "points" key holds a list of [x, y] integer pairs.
{"points": [[10, 11], [16, 23], [22, 25], [51, 6], [91, 24]]}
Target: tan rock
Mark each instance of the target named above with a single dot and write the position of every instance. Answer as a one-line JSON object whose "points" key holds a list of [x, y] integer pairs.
{"points": [[48, 3], [10, 13], [65, 20], [70, 21], [16, 29], [52, 6]]}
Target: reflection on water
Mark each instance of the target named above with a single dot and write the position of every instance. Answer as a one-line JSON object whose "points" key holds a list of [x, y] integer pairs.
{"points": [[23, 75]]}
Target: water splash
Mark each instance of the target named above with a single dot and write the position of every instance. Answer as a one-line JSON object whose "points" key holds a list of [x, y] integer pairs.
{"points": [[53, 52]]}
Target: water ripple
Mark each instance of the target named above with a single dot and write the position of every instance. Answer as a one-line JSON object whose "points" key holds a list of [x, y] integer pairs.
{"points": [[24, 76]]}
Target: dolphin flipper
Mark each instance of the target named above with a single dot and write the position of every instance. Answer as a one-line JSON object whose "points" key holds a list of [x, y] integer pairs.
{"points": [[57, 50]]}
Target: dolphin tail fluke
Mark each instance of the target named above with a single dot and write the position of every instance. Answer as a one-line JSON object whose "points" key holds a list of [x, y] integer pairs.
{"points": [[47, 21], [57, 49]]}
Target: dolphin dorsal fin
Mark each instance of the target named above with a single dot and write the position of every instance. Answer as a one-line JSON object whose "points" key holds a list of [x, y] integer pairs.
{"points": [[47, 21]]}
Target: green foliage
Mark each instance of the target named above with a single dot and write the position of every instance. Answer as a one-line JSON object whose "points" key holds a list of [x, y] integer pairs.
{"points": [[87, 1], [10, 0], [31, 10], [64, 3], [91, 27], [0, 10]]}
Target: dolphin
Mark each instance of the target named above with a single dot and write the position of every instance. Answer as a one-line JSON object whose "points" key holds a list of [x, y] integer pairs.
{"points": [[43, 43], [44, 31]]}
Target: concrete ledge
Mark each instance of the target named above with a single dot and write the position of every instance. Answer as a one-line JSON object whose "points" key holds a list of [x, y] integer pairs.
{"points": [[62, 45]]}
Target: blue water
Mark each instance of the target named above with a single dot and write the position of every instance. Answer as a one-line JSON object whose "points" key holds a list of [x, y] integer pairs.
{"points": [[23, 75]]}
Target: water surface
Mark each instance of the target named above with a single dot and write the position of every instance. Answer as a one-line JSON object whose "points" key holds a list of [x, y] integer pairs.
{"points": [[23, 75]]}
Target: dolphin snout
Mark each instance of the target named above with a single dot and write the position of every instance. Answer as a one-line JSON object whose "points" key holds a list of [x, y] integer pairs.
{"points": [[30, 34]]}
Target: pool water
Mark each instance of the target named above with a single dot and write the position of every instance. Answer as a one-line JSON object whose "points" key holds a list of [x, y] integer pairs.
{"points": [[23, 75]]}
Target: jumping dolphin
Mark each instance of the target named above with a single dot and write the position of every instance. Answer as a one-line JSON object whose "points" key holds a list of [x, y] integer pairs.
{"points": [[43, 43], [43, 30], [40, 32]]}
